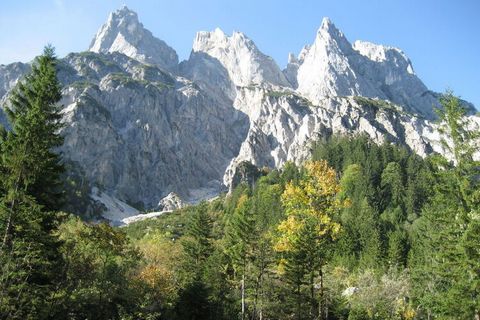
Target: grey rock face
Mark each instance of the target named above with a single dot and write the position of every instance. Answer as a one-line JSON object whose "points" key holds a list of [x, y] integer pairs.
{"points": [[9, 76], [139, 126], [142, 132], [171, 202], [333, 67], [240, 57], [283, 126], [245, 173], [125, 34]]}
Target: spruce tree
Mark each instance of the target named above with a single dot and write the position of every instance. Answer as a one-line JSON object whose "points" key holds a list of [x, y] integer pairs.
{"points": [[198, 241], [30, 185], [34, 115], [239, 238]]}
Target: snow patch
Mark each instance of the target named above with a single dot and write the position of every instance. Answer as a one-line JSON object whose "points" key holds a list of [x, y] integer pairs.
{"points": [[144, 216], [116, 209]]}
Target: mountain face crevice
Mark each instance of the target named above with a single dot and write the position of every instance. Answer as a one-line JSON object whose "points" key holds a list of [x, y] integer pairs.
{"points": [[140, 126]]}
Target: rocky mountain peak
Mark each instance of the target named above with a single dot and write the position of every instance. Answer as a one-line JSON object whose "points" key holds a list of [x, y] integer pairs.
{"points": [[124, 33], [333, 67], [124, 14], [329, 35], [238, 54]]}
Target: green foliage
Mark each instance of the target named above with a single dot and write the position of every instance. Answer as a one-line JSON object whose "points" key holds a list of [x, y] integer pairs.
{"points": [[289, 94], [30, 189], [170, 225], [30, 262], [96, 282], [388, 187], [381, 296], [445, 265], [306, 233], [197, 241], [81, 84], [28, 150], [277, 94], [228, 246], [376, 103]]}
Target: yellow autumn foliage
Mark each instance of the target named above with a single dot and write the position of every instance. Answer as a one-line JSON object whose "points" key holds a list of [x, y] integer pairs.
{"points": [[311, 203]]}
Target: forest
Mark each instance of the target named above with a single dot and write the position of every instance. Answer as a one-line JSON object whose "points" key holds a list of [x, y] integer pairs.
{"points": [[359, 231]]}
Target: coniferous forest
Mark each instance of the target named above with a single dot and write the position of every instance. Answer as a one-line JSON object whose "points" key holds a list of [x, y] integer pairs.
{"points": [[360, 231]]}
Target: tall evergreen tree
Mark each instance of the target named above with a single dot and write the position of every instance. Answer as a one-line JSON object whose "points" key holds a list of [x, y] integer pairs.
{"points": [[198, 241], [30, 185], [34, 115], [239, 236]]}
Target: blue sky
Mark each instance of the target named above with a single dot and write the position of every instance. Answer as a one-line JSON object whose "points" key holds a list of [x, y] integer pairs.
{"points": [[442, 37]]}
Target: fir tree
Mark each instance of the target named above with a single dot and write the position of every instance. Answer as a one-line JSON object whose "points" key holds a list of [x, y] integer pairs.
{"points": [[34, 116], [30, 183]]}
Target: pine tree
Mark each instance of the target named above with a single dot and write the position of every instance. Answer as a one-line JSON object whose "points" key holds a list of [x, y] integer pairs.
{"points": [[193, 299], [30, 182]]}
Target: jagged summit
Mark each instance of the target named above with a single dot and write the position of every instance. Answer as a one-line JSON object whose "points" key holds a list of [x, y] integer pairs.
{"points": [[332, 66], [124, 33], [328, 33], [244, 62]]}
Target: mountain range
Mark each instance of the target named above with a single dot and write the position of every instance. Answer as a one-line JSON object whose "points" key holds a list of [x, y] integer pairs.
{"points": [[144, 131]]}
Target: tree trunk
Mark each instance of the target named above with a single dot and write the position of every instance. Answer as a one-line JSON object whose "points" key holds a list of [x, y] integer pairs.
{"points": [[312, 294], [8, 228], [321, 308], [243, 295], [256, 298], [299, 303]]}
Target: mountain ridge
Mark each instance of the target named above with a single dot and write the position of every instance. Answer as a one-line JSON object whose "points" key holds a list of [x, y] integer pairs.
{"points": [[140, 125]]}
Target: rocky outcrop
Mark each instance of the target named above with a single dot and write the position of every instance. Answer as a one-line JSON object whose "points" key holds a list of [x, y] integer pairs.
{"points": [[9, 76], [240, 57], [245, 173], [141, 133], [284, 125], [125, 34], [171, 202]]}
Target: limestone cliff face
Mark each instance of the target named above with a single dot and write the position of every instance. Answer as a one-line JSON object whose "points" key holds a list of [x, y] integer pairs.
{"points": [[9, 76], [125, 34], [331, 66], [140, 128], [141, 133]]}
